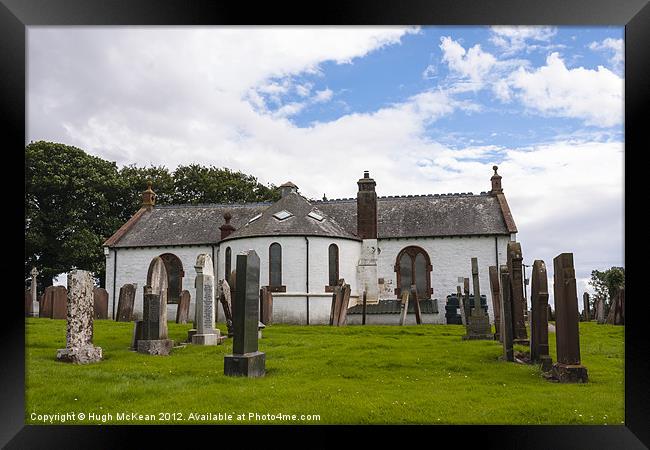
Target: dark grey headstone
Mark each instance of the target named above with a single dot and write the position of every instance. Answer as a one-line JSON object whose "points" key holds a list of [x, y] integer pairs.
{"points": [[151, 315], [585, 307], [539, 323], [246, 308], [100, 298], [515, 269], [506, 330], [495, 288], [183, 311], [125, 303]]}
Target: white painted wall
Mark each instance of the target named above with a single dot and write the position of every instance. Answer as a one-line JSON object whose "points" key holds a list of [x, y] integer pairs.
{"points": [[450, 258]]}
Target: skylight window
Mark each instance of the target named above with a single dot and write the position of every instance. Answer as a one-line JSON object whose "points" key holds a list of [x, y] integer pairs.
{"points": [[255, 218], [316, 216], [281, 215]]}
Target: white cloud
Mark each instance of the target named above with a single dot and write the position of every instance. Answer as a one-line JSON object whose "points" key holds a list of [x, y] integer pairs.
{"points": [[472, 64], [512, 39], [595, 96], [323, 96], [613, 46]]}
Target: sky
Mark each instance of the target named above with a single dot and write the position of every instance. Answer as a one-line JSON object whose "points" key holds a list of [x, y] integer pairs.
{"points": [[425, 109]]}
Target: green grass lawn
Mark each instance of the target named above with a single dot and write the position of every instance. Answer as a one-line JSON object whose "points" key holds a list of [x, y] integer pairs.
{"points": [[354, 375]]}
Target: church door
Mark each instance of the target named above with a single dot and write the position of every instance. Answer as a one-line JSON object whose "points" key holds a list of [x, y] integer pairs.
{"points": [[413, 266]]}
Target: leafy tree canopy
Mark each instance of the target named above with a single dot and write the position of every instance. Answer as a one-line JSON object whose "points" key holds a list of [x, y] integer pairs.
{"points": [[607, 283]]}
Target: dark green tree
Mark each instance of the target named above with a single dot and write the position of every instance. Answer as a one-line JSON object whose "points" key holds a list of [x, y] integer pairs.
{"points": [[70, 203], [606, 285]]}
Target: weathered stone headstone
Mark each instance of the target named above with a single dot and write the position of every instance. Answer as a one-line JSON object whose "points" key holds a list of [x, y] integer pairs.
{"points": [[226, 301], [567, 369], [404, 307], [515, 269], [461, 302], [495, 288], [345, 302], [585, 307], [339, 308], [479, 322], [28, 303], [600, 311], [79, 347], [246, 359], [100, 303], [157, 279], [137, 334], [539, 323], [416, 304], [266, 306], [33, 291], [466, 304], [125, 303], [183, 311], [151, 340], [54, 302], [616, 316], [505, 328], [206, 333]]}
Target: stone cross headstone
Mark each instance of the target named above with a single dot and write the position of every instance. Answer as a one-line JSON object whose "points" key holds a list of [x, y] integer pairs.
{"points": [[567, 369], [100, 303], [226, 302], [539, 322], [157, 279], [183, 311], [506, 329], [404, 307], [79, 347], [479, 322], [125, 303], [585, 307], [151, 340], [515, 269], [246, 359], [206, 333], [495, 288], [34, 288]]}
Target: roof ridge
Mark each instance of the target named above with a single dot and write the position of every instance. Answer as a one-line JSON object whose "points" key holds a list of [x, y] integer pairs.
{"points": [[211, 205]]}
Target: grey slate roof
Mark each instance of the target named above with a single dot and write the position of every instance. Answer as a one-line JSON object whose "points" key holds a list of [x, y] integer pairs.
{"points": [[297, 224], [398, 217]]}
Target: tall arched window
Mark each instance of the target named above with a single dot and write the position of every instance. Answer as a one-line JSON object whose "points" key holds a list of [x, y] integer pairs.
{"points": [[413, 266], [333, 264], [275, 267], [228, 263]]}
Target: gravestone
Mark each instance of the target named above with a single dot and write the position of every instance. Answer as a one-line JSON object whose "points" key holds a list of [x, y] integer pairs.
{"points": [[416, 304], [100, 303], [206, 333], [404, 307], [345, 302], [157, 279], [585, 307], [506, 328], [479, 322], [600, 311], [340, 301], [466, 304], [615, 316], [539, 323], [451, 310], [246, 359], [33, 291], [137, 334], [495, 288], [59, 302], [151, 340], [515, 269], [28, 303], [79, 347], [461, 304], [183, 310], [225, 299], [567, 369], [266, 306], [125, 303]]}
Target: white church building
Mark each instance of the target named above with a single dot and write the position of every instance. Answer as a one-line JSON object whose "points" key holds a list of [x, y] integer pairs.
{"points": [[380, 245]]}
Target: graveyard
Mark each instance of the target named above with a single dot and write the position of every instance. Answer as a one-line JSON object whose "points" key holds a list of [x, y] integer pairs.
{"points": [[419, 374]]}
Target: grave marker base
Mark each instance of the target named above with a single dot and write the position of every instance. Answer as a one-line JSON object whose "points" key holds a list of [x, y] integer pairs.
{"points": [[479, 329], [80, 355], [161, 347], [137, 334], [190, 334], [206, 339], [546, 363], [569, 373], [249, 365]]}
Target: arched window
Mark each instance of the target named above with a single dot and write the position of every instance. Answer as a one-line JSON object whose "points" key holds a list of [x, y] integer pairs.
{"points": [[333, 264], [413, 266], [275, 265], [228, 263]]}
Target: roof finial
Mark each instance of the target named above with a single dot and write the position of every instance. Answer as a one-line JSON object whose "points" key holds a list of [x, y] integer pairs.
{"points": [[148, 196], [495, 168], [496, 182]]}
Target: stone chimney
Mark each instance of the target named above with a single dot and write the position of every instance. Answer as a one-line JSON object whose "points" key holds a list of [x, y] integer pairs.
{"points": [[367, 208], [496, 182], [288, 188], [148, 197], [226, 228]]}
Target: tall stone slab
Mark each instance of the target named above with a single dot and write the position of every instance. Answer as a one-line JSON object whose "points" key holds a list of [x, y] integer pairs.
{"points": [[567, 369], [59, 302], [506, 328], [600, 311], [495, 288], [246, 359], [404, 307], [266, 306], [100, 303], [125, 303], [157, 279], [515, 269], [33, 291], [345, 302], [28, 303], [585, 307], [226, 303], [539, 320], [206, 333], [183, 311], [79, 347], [479, 322], [461, 305], [150, 340]]}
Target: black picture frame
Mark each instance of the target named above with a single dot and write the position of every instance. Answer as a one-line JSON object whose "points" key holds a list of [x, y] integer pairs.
{"points": [[16, 15]]}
